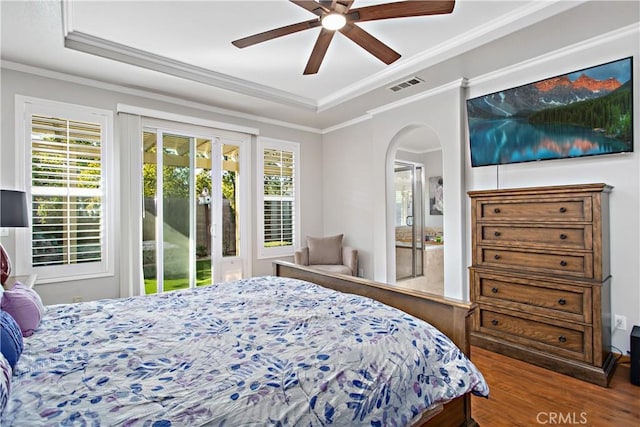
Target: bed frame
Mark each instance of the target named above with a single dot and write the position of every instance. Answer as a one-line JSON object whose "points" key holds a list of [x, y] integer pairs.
{"points": [[451, 316]]}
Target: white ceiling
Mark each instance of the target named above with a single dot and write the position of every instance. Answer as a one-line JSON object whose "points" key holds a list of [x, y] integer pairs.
{"points": [[183, 49]]}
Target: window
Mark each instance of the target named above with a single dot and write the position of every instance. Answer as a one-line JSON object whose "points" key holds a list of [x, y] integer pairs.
{"points": [[278, 207], [67, 169]]}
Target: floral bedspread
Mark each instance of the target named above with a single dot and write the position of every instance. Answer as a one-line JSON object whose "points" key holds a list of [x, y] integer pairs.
{"points": [[255, 352]]}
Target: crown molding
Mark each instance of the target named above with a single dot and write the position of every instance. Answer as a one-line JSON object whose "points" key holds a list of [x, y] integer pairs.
{"points": [[591, 43], [513, 21], [104, 48], [87, 43], [498, 74], [151, 95], [456, 84], [348, 123]]}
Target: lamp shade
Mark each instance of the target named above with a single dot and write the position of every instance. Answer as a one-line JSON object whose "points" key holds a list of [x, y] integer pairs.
{"points": [[13, 209]]}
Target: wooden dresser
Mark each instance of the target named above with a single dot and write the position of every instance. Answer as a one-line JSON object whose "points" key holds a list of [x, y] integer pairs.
{"points": [[540, 276]]}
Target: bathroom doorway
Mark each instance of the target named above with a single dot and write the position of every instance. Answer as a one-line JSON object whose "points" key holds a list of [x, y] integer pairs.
{"points": [[416, 190]]}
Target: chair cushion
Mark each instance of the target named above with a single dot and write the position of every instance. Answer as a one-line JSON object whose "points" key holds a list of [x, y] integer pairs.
{"points": [[325, 250], [340, 269]]}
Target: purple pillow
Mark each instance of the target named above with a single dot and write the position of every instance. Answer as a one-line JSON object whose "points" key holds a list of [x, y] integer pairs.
{"points": [[25, 306]]}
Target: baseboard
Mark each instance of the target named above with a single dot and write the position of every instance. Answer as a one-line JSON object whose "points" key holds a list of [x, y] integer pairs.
{"points": [[583, 371], [621, 358]]}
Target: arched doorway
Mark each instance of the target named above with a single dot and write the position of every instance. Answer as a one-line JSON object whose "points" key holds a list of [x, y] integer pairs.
{"points": [[414, 188]]}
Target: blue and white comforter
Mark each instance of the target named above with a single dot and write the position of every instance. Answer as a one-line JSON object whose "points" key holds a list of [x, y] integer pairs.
{"points": [[261, 351]]}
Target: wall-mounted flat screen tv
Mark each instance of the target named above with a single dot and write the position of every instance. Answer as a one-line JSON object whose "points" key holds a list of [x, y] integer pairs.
{"points": [[584, 113]]}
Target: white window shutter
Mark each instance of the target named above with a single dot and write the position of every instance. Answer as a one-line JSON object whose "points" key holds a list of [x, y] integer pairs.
{"points": [[279, 197]]}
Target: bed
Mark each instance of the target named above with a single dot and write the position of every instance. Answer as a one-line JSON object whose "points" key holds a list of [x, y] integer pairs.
{"points": [[275, 350]]}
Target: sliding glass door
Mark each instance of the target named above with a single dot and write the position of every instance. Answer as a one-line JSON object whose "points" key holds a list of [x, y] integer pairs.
{"points": [[192, 219]]}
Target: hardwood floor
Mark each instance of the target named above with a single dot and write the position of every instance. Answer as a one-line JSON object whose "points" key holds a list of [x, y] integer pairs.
{"points": [[526, 395]]}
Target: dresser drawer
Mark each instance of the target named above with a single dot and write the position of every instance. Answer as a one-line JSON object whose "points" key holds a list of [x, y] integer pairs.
{"points": [[532, 210], [554, 263], [534, 296], [571, 340], [569, 236]]}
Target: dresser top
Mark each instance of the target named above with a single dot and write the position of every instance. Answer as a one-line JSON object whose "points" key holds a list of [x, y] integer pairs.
{"points": [[555, 189]]}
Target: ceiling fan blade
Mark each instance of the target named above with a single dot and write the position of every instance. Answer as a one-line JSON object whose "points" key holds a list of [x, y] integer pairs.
{"points": [[275, 33], [318, 52], [312, 6], [371, 44], [344, 5], [401, 9]]}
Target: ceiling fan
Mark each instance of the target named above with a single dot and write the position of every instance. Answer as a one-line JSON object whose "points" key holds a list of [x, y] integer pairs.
{"points": [[337, 15]]}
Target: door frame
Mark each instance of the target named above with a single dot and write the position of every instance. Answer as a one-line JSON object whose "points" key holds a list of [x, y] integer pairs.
{"points": [[218, 137]]}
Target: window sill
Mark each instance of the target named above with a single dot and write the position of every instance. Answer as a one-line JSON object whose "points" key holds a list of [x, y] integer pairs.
{"points": [[73, 278], [27, 280], [275, 256]]}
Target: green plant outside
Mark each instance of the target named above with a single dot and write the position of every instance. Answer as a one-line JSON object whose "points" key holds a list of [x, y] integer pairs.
{"points": [[203, 278], [276, 244]]}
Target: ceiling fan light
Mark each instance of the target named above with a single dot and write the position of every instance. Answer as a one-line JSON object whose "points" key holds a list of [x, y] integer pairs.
{"points": [[333, 21]]}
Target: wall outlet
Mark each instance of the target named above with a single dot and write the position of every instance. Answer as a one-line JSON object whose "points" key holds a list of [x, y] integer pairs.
{"points": [[77, 298], [4, 232], [619, 322]]}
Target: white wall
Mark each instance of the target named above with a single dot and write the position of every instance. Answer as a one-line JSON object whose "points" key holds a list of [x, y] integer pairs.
{"points": [[375, 141], [347, 191], [107, 97], [442, 111]]}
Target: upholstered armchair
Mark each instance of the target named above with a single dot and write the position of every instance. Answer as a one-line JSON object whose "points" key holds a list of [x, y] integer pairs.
{"points": [[328, 254]]}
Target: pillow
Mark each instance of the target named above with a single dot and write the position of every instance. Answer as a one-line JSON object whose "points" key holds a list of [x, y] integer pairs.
{"points": [[21, 288], [25, 306], [5, 382], [11, 343], [325, 250]]}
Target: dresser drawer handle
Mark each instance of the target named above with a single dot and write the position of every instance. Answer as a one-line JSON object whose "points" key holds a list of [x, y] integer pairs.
{"points": [[563, 263], [494, 322], [562, 301], [497, 233], [563, 209], [494, 290], [496, 256], [496, 210], [562, 338], [563, 236]]}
